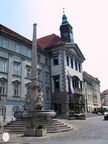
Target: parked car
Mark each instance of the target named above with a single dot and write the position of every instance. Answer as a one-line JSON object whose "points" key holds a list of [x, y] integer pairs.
{"points": [[106, 114]]}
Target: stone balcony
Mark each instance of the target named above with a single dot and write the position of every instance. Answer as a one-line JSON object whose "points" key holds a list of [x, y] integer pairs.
{"points": [[78, 90]]}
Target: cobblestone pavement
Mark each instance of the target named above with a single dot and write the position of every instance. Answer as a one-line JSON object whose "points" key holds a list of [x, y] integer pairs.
{"points": [[93, 130]]}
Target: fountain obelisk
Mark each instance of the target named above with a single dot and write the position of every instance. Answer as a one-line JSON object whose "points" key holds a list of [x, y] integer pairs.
{"points": [[34, 84]]}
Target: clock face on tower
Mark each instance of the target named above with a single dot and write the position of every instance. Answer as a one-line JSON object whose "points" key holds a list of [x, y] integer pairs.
{"points": [[66, 34]]}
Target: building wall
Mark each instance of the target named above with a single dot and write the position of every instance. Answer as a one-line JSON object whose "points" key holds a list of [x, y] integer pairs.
{"points": [[24, 62], [61, 97], [92, 93]]}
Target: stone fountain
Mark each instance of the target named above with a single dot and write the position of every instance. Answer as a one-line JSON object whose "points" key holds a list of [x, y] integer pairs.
{"points": [[33, 104], [34, 101]]}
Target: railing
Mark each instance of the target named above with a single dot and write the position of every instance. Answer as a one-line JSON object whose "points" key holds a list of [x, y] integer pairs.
{"points": [[78, 90]]}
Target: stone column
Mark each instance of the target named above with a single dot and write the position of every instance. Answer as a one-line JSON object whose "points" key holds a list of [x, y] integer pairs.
{"points": [[33, 85]]}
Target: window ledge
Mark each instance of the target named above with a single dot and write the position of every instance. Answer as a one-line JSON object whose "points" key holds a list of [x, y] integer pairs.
{"points": [[16, 75], [3, 72]]}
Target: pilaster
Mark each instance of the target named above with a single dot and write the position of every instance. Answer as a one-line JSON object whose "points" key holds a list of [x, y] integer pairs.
{"points": [[22, 79], [9, 87]]}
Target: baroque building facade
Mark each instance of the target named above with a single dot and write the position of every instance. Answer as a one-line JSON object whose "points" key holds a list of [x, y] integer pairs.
{"points": [[59, 71], [66, 69], [15, 67], [91, 92]]}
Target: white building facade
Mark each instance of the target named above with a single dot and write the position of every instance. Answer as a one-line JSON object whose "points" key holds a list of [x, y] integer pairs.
{"points": [[91, 92], [59, 71], [15, 67]]}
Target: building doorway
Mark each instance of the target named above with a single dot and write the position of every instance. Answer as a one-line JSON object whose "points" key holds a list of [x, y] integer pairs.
{"points": [[57, 106], [2, 113]]}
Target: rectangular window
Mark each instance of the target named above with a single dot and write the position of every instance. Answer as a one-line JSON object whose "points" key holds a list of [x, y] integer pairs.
{"points": [[46, 61], [79, 67], [47, 77], [17, 48], [76, 67], [39, 75], [29, 53], [16, 69], [71, 62], [28, 73], [55, 60], [47, 94], [3, 66], [56, 81], [38, 58], [2, 88], [28, 90], [16, 90], [67, 60], [5, 43], [2, 111]]}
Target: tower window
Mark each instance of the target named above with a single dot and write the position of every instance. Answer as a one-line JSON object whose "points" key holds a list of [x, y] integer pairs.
{"points": [[56, 60]]}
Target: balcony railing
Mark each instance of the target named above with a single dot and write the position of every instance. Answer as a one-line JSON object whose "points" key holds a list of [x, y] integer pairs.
{"points": [[78, 90]]}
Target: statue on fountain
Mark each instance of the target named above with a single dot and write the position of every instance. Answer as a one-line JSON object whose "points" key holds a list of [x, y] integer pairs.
{"points": [[39, 102], [26, 104]]}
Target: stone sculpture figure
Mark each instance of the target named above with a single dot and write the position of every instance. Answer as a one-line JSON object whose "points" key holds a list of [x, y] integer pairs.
{"points": [[26, 104], [39, 102]]}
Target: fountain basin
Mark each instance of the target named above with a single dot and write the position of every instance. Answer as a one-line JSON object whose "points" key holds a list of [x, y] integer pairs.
{"points": [[44, 114]]}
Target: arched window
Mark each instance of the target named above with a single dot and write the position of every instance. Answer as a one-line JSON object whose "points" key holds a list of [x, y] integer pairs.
{"points": [[16, 88], [3, 84], [14, 109]]}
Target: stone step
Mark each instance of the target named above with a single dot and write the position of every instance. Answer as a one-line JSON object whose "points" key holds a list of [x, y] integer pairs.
{"points": [[26, 123], [21, 131], [52, 126], [48, 127]]}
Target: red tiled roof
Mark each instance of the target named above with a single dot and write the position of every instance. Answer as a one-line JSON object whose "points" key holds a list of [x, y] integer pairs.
{"points": [[104, 92], [9, 31], [47, 41], [50, 41], [91, 77]]}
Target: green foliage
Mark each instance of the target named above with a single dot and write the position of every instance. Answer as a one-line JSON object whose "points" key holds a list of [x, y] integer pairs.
{"points": [[101, 111], [77, 109], [71, 112], [32, 123], [32, 120], [40, 126]]}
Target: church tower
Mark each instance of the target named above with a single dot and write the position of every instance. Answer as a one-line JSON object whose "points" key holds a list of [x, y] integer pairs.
{"points": [[66, 30]]}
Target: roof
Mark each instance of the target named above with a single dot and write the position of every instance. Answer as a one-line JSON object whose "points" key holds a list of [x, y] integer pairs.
{"points": [[50, 41], [91, 77], [16, 35], [104, 92], [11, 32]]}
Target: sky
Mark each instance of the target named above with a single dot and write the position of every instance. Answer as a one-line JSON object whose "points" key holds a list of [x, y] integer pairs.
{"points": [[89, 19]]}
